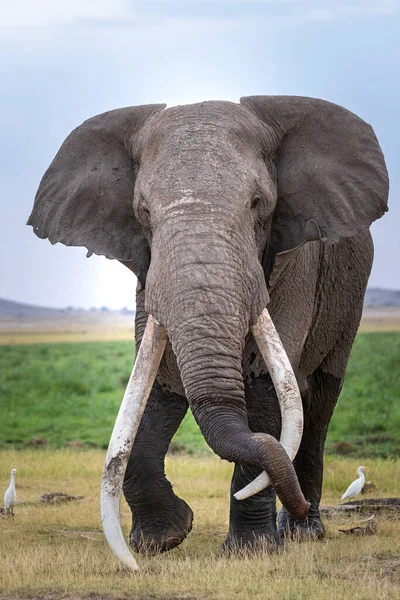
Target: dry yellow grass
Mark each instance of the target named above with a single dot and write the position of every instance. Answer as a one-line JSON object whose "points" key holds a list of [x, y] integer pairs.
{"points": [[59, 551], [8, 338], [111, 326], [384, 319], [84, 327]]}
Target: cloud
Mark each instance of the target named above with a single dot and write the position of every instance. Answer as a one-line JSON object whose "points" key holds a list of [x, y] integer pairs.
{"points": [[330, 11], [274, 10], [123, 13], [25, 13]]}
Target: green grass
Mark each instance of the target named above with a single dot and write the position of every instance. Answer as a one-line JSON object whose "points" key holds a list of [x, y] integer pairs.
{"points": [[367, 416], [66, 392], [62, 392]]}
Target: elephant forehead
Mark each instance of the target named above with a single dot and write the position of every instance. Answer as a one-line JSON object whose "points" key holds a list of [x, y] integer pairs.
{"points": [[191, 173], [200, 115], [202, 146], [188, 127]]}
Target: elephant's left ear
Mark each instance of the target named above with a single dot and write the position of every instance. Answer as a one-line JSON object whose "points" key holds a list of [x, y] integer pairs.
{"points": [[85, 197], [332, 178]]}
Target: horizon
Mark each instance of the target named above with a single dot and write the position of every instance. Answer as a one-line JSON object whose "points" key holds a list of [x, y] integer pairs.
{"points": [[104, 307]]}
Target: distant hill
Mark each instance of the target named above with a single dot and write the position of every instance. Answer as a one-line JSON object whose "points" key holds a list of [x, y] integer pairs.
{"points": [[8, 308], [16, 310], [381, 297]]}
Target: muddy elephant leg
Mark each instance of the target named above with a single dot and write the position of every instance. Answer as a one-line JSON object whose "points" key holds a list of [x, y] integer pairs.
{"points": [[160, 520], [319, 403], [252, 522]]}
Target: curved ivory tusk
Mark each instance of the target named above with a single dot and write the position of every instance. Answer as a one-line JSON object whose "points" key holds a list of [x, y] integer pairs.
{"points": [[288, 393], [123, 435]]}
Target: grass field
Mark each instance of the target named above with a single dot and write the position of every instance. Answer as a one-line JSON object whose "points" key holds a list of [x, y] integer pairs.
{"points": [[61, 393], [68, 327], [53, 552], [367, 416], [96, 326]]}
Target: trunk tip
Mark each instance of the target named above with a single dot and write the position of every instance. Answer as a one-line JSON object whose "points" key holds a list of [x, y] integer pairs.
{"points": [[301, 511]]}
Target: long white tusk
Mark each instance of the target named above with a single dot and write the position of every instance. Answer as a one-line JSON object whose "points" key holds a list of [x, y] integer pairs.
{"points": [[126, 425], [288, 393]]}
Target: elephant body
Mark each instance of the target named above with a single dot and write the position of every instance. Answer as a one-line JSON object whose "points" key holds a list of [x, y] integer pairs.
{"points": [[318, 331], [221, 209]]}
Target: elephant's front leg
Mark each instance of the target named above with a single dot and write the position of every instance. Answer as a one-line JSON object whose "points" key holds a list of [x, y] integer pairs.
{"points": [[252, 522], [160, 520]]}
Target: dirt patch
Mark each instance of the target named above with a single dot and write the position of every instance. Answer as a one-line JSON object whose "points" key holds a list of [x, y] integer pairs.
{"points": [[58, 498]]}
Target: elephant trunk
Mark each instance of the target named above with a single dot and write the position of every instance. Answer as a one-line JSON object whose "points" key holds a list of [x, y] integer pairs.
{"points": [[212, 378], [207, 296]]}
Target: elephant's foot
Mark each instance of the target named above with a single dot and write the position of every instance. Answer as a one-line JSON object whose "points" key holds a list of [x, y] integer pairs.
{"points": [[161, 530], [310, 528], [251, 542]]}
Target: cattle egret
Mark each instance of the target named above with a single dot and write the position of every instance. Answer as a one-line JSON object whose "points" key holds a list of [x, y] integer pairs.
{"points": [[10, 497], [355, 488]]}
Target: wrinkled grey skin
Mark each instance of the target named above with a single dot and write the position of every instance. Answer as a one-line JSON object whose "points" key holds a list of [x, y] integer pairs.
{"points": [[218, 207]]}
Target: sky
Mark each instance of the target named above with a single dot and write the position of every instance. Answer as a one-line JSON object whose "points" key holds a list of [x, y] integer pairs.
{"points": [[63, 62]]}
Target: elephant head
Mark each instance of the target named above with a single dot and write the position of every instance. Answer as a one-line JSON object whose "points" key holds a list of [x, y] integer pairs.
{"points": [[198, 201]]}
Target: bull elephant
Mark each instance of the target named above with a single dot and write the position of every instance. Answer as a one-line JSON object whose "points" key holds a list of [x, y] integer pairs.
{"points": [[221, 210]]}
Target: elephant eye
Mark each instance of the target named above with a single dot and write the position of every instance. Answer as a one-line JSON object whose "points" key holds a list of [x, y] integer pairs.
{"points": [[144, 215], [143, 210], [255, 202]]}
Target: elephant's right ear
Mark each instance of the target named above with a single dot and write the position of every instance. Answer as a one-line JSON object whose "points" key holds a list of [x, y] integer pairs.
{"points": [[85, 197], [331, 174]]}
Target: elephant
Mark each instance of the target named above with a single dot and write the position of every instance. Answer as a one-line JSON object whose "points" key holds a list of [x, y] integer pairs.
{"points": [[247, 227]]}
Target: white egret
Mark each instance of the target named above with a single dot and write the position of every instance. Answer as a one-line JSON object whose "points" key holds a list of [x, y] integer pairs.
{"points": [[355, 488], [10, 497]]}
